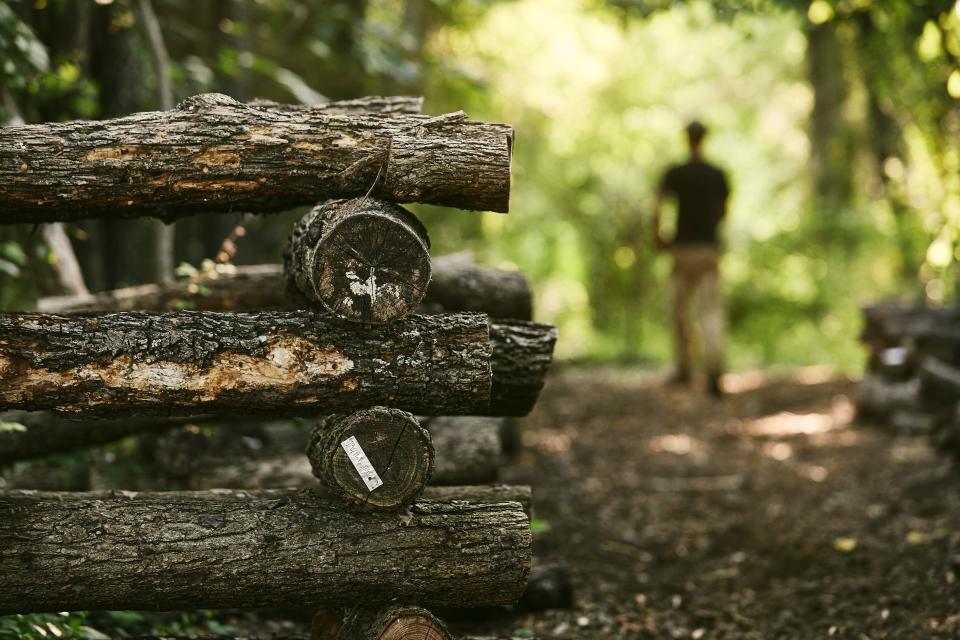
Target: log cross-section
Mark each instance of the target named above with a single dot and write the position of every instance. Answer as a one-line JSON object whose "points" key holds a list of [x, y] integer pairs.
{"points": [[362, 259], [214, 154], [162, 551], [191, 362], [398, 449]]}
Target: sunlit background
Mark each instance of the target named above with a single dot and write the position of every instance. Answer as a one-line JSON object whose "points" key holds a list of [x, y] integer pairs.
{"points": [[838, 122]]}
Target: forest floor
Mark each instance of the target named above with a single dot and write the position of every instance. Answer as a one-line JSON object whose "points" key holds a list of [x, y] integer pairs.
{"points": [[770, 513]]}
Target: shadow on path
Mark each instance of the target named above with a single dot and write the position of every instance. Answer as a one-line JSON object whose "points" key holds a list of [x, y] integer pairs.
{"points": [[769, 514]]}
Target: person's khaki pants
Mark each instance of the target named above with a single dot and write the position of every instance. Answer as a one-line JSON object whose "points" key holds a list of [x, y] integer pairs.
{"points": [[696, 266]]}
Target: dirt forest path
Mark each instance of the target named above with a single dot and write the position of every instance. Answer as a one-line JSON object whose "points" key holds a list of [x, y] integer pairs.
{"points": [[769, 514]]}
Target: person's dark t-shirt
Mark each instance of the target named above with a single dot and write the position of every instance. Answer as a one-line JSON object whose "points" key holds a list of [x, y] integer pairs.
{"points": [[701, 190]]}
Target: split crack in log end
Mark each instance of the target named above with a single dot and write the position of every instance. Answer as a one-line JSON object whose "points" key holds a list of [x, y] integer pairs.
{"points": [[399, 449], [364, 260]]}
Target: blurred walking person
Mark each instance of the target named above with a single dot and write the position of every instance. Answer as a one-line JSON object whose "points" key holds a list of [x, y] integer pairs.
{"points": [[700, 190]]}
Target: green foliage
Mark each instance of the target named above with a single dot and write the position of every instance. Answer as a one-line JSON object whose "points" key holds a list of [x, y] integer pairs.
{"points": [[598, 91], [24, 57], [599, 98], [100, 625]]}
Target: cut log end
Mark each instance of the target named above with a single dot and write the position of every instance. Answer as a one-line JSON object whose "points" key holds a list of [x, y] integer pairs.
{"points": [[363, 260], [414, 627], [399, 451], [397, 622]]}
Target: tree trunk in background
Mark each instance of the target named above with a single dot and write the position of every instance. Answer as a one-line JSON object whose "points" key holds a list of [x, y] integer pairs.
{"points": [[885, 138], [166, 551], [164, 235], [117, 66], [209, 231], [64, 260], [831, 149]]}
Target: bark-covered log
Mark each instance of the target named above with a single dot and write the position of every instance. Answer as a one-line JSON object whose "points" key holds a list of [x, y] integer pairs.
{"points": [[190, 363], [522, 354], [45, 433], [385, 105], [878, 397], [939, 384], [247, 288], [295, 470], [161, 551], [293, 363], [362, 259], [396, 622], [468, 449], [886, 324], [913, 422], [262, 287], [213, 154], [460, 284], [482, 494], [399, 452]]}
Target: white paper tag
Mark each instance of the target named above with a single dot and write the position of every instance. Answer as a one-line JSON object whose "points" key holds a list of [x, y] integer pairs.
{"points": [[361, 463]]}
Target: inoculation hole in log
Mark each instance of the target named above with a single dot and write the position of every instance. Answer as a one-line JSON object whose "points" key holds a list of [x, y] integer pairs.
{"points": [[364, 260], [399, 450]]}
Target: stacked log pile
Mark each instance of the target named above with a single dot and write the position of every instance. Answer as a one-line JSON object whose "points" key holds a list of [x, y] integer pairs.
{"points": [[913, 370], [334, 333]]}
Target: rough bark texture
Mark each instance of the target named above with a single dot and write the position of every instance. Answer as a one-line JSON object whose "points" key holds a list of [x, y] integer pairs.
{"points": [[362, 259], [191, 363], [385, 105], [460, 284], [549, 586], [397, 622], [214, 154], [522, 354], [939, 385], [398, 448], [161, 551], [262, 287], [45, 433], [248, 288], [296, 471], [877, 396], [292, 363], [468, 449], [887, 324], [483, 494]]}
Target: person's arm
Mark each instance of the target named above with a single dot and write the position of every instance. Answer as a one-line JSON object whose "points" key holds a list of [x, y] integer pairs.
{"points": [[658, 240], [724, 203]]}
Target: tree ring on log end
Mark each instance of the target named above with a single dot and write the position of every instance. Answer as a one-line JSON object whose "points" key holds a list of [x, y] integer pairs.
{"points": [[398, 448], [396, 622], [414, 627], [364, 260]]}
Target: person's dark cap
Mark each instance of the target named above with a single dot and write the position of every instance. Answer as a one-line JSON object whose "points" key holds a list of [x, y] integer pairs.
{"points": [[696, 130]]}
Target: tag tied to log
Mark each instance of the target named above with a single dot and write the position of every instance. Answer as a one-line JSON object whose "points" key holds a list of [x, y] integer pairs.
{"points": [[361, 463]]}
